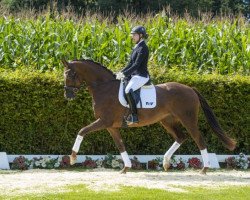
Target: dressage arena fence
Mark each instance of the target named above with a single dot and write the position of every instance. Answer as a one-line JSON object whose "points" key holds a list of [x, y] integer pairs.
{"points": [[143, 159]]}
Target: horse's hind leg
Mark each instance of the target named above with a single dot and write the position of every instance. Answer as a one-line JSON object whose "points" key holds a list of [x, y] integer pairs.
{"points": [[115, 133], [172, 127], [190, 123]]}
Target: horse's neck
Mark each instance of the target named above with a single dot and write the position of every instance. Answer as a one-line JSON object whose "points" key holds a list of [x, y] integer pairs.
{"points": [[104, 77], [94, 74], [108, 89]]}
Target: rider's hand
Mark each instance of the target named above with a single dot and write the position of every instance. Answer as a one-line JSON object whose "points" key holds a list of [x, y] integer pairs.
{"points": [[120, 76]]}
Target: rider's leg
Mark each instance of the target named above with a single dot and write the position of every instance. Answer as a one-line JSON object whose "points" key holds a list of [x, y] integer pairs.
{"points": [[134, 84], [132, 118]]}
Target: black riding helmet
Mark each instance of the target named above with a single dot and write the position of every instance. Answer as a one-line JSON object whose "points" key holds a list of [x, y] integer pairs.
{"points": [[140, 30]]}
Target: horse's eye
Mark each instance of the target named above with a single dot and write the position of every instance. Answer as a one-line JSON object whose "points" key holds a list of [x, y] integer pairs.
{"points": [[66, 74]]}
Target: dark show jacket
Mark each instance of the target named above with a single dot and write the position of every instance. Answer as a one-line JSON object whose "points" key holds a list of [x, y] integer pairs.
{"points": [[138, 61]]}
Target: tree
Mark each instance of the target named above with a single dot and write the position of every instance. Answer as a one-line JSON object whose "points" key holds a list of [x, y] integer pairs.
{"points": [[137, 6]]}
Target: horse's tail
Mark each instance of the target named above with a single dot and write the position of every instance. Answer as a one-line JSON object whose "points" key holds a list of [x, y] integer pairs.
{"points": [[214, 124]]}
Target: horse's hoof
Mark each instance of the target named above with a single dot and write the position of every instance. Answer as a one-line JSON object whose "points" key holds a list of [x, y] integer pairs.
{"points": [[72, 159], [166, 165], [204, 171], [124, 170]]}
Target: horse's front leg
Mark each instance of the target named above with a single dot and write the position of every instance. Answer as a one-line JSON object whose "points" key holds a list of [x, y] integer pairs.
{"points": [[95, 126], [115, 133]]}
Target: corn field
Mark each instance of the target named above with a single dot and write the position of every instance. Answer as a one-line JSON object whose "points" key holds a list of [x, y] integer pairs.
{"points": [[213, 46]]}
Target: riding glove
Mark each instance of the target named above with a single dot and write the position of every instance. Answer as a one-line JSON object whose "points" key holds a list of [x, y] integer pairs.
{"points": [[120, 76]]}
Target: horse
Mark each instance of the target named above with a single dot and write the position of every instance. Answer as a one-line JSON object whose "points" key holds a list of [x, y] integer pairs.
{"points": [[176, 104]]}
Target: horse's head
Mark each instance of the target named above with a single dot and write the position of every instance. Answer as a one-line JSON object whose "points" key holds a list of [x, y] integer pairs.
{"points": [[72, 82], [88, 71]]}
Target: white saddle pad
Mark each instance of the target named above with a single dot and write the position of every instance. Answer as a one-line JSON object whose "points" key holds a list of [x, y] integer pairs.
{"points": [[148, 96]]}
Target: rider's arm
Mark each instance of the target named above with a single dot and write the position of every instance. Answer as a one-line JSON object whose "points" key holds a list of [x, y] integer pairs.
{"points": [[141, 54], [128, 66]]}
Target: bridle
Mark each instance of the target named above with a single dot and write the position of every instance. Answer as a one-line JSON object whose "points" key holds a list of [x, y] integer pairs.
{"points": [[73, 77]]}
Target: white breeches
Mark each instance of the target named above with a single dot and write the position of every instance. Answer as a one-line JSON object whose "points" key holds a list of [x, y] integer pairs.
{"points": [[135, 83]]}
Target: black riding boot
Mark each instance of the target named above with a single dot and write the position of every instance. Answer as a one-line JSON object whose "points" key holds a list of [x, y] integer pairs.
{"points": [[132, 118]]}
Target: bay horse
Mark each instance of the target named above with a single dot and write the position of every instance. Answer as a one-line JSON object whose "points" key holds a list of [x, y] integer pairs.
{"points": [[176, 104]]}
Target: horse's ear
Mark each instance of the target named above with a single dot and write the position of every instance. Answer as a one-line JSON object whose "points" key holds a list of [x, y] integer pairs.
{"points": [[65, 63]]}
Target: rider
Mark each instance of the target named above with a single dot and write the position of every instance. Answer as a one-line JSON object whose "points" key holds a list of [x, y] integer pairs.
{"points": [[136, 71]]}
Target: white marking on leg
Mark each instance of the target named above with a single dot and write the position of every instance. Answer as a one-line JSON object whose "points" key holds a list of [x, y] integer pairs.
{"points": [[126, 159], [205, 158], [77, 144], [171, 151]]}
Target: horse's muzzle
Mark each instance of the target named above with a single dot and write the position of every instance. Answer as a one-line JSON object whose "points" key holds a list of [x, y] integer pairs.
{"points": [[70, 92], [69, 96]]}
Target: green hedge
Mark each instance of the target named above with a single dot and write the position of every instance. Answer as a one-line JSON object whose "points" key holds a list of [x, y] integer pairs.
{"points": [[36, 119]]}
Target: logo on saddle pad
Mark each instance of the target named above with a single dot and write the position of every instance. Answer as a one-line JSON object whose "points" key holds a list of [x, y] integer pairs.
{"points": [[149, 103], [145, 96]]}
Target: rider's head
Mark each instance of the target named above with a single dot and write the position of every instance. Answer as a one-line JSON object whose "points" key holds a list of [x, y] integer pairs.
{"points": [[138, 32]]}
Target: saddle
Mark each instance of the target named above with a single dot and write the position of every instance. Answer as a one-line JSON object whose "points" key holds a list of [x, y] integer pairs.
{"points": [[145, 97]]}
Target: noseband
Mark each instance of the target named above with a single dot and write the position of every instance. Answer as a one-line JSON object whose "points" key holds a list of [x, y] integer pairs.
{"points": [[71, 76]]}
